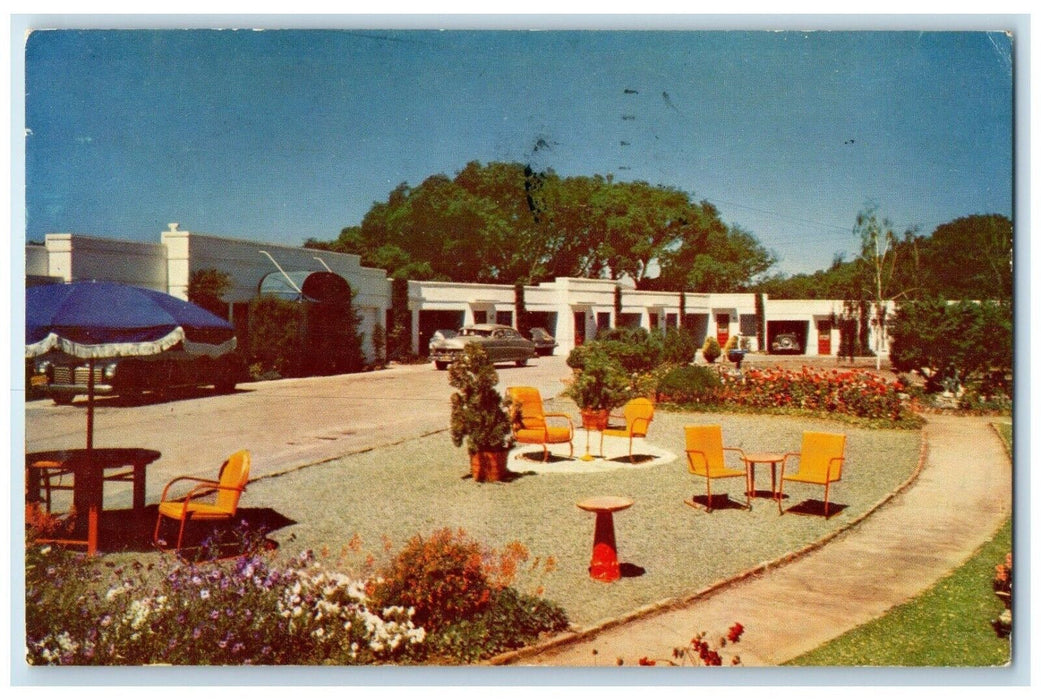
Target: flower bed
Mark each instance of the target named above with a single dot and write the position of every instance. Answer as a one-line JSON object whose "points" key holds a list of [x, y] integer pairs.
{"points": [[852, 392], [452, 604]]}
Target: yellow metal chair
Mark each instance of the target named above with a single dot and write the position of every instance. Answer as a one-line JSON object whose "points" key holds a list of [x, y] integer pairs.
{"points": [[638, 414], [706, 458], [222, 496], [820, 462], [531, 424]]}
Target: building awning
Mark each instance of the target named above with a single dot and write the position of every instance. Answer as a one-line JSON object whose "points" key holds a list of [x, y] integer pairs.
{"points": [[306, 285]]}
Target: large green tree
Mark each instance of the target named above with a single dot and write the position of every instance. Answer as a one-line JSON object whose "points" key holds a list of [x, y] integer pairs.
{"points": [[964, 342], [970, 258], [506, 223]]}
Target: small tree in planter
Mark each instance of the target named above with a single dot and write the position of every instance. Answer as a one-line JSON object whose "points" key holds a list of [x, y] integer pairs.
{"points": [[601, 385], [711, 350], [480, 415]]}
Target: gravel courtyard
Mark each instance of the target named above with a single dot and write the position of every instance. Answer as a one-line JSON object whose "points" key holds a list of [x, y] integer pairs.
{"points": [[372, 502]]}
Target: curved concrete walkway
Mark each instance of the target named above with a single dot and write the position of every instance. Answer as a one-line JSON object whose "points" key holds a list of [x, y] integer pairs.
{"points": [[960, 498]]}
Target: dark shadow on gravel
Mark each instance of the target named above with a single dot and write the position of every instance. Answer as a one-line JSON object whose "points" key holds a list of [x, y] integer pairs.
{"points": [[636, 459], [536, 456], [720, 501], [123, 531], [631, 570], [814, 507], [508, 477]]}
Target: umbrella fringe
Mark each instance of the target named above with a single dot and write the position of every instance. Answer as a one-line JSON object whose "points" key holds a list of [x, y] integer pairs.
{"points": [[104, 350]]}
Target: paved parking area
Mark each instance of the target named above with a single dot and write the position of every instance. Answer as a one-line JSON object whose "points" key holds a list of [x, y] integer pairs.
{"points": [[286, 424]]}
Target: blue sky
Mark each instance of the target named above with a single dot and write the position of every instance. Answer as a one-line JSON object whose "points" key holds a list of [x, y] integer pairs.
{"points": [[284, 135]]}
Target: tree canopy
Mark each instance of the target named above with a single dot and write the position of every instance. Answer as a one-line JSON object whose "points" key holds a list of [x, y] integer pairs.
{"points": [[505, 223], [968, 258]]}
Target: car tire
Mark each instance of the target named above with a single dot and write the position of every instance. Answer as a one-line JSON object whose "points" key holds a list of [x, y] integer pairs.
{"points": [[225, 386], [522, 363], [63, 399]]}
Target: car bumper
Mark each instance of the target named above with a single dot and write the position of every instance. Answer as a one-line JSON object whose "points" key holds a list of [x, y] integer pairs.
{"points": [[99, 388], [445, 355]]}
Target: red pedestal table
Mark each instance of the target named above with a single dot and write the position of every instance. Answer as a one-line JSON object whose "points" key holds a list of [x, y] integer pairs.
{"points": [[604, 565]]}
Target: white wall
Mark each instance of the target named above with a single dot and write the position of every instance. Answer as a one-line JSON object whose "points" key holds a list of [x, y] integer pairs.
{"points": [[75, 257]]}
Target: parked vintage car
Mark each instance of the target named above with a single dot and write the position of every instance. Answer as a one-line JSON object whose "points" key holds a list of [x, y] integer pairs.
{"points": [[786, 342], [62, 377], [502, 343], [544, 342], [439, 336]]}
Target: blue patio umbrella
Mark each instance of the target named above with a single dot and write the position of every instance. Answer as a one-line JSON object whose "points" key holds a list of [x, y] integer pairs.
{"points": [[95, 320]]}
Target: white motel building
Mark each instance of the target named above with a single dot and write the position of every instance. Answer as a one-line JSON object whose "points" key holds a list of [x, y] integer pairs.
{"points": [[571, 309]]}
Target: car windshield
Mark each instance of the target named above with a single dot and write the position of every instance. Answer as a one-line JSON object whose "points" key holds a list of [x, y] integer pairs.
{"points": [[475, 331], [446, 333]]}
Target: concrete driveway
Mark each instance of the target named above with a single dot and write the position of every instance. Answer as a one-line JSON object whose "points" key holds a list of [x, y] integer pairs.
{"points": [[286, 424]]}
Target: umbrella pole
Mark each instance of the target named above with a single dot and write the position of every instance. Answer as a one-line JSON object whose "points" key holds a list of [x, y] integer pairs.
{"points": [[90, 405]]}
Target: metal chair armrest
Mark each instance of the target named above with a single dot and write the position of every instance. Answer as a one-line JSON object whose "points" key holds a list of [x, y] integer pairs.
{"points": [[210, 482], [564, 416]]}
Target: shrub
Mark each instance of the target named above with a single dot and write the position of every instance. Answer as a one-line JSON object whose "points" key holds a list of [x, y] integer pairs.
{"points": [[1003, 589], [678, 346], [460, 591], [509, 621], [241, 612], [275, 334], [689, 384], [206, 288], [480, 414], [442, 577], [711, 350], [576, 359], [602, 384], [967, 342], [636, 349]]}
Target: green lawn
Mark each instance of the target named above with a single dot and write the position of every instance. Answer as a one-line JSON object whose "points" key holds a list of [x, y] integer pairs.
{"points": [[948, 625]]}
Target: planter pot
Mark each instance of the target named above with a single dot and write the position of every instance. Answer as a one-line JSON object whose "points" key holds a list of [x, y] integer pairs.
{"points": [[595, 419], [489, 465], [736, 355]]}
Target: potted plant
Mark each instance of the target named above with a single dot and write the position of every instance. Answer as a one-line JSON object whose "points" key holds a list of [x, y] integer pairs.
{"points": [[602, 384], [733, 350], [710, 350], [480, 415]]}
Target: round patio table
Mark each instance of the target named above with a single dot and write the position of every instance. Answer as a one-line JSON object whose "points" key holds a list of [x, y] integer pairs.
{"points": [[90, 469], [604, 565], [771, 458]]}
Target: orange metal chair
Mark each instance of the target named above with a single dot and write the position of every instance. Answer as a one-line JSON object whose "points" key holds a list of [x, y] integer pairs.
{"points": [[225, 493], [706, 458], [820, 462], [531, 423], [638, 414]]}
